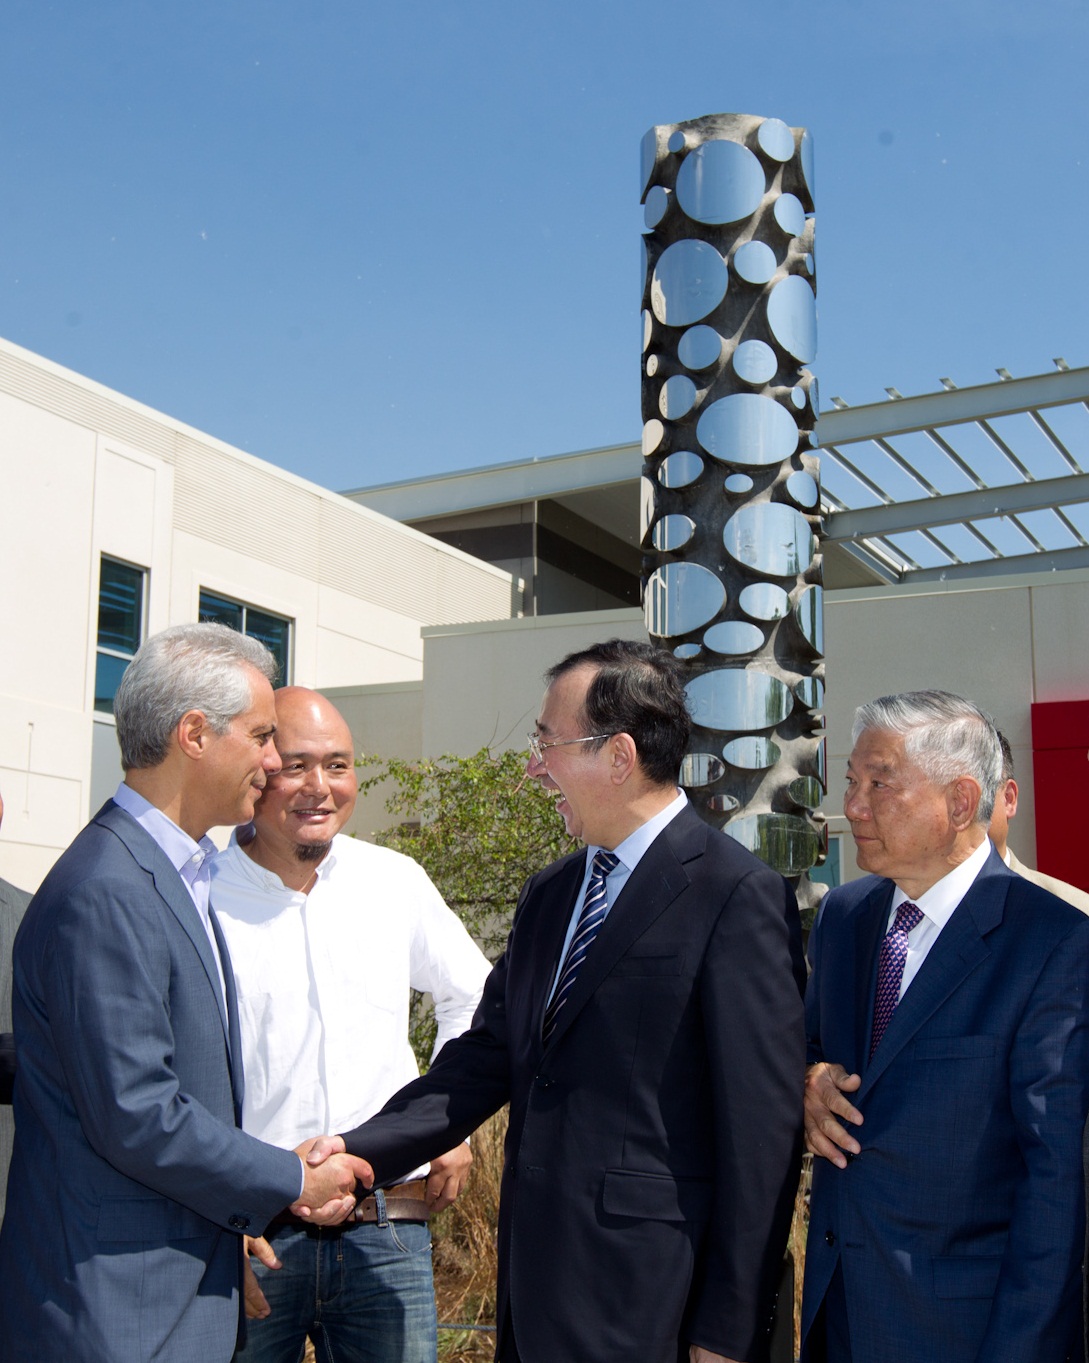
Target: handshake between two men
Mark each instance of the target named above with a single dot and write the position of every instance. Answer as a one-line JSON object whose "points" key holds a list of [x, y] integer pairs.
{"points": [[330, 1179]]}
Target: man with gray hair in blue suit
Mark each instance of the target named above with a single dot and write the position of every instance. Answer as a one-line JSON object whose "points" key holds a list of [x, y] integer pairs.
{"points": [[131, 1185], [948, 1024]]}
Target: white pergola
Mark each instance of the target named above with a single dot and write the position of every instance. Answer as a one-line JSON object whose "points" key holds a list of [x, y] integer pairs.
{"points": [[963, 482]]}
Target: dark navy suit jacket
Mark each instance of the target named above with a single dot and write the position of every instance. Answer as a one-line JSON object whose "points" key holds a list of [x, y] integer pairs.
{"points": [[959, 1228], [652, 1152], [130, 1182]]}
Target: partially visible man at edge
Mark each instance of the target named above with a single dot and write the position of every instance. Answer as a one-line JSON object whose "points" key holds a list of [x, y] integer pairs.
{"points": [[325, 1041], [1005, 808], [645, 1025], [131, 1184], [13, 904]]}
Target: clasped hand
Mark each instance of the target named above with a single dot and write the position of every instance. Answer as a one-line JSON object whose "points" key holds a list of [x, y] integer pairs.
{"points": [[826, 1109], [329, 1180]]}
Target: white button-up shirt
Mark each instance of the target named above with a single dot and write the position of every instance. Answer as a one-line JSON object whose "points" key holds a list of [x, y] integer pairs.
{"points": [[323, 983], [938, 905]]}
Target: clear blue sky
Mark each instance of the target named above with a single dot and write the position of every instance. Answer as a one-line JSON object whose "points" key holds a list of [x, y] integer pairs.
{"points": [[374, 242]]}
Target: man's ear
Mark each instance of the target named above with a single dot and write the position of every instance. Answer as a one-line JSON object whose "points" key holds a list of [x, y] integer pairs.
{"points": [[623, 755], [192, 733], [964, 796], [1009, 796]]}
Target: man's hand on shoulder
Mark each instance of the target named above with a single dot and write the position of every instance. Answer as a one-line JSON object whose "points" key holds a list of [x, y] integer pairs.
{"points": [[448, 1176], [329, 1180], [698, 1355], [825, 1086]]}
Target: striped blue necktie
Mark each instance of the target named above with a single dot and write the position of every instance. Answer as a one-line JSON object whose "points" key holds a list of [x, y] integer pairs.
{"points": [[595, 906]]}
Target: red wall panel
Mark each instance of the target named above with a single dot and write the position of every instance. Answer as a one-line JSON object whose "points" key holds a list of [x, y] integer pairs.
{"points": [[1060, 780]]}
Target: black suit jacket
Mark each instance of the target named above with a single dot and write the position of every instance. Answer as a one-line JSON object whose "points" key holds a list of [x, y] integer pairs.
{"points": [[13, 904], [652, 1154]]}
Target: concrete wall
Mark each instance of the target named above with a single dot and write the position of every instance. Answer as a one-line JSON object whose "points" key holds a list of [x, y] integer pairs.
{"points": [[386, 721], [1005, 643]]}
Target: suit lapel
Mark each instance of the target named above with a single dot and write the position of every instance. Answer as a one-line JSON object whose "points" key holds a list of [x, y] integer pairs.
{"points": [[960, 948], [147, 854], [234, 1034], [650, 889], [872, 920]]}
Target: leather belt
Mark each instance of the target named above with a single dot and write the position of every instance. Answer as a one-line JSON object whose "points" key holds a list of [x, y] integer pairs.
{"points": [[403, 1202]]}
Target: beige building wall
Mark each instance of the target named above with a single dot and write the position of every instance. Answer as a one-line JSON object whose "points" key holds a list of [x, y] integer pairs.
{"points": [[87, 472]]}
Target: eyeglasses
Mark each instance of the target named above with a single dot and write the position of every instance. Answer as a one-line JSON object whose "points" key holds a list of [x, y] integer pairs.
{"points": [[537, 749]]}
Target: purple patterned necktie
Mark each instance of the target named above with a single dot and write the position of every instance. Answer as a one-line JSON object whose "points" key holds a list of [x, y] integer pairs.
{"points": [[890, 968], [595, 905]]}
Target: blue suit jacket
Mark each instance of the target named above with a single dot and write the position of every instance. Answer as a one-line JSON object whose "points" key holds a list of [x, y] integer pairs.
{"points": [[959, 1227], [130, 1181], [652, 1151]]}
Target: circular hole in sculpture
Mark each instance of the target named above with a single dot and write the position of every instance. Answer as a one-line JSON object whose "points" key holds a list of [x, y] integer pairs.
{"points": [[680, 468], [681, 597], [719, 182], [689, 281], [754, 262], [775, 139], [700, 769], [789, 214], [752, 752], [755, 362], [792, 316], [699, 347], [770, 537], [738, 698], [677, 398], [673, 532], [785, 842], [733, 637], [748, 428], [802, 488], [764, 601], [655, 206]]}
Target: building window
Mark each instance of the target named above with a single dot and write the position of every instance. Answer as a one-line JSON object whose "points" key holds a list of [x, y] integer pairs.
{"points": [[120, 627], [274, 631]]}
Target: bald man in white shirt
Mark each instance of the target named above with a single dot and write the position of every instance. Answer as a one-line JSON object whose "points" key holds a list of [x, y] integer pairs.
{"points": [[325, 1041]]}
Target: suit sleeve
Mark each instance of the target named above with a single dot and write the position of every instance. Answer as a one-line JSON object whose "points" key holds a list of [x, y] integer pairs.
{"points": [[468, 1081], [814, 1052], [106, 980], [751, 997], [1049, 1095]]}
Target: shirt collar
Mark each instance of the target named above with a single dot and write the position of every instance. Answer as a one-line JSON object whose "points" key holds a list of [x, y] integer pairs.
{"points": [[631, 851], [244, 864], [175, 842], [939, 902]]}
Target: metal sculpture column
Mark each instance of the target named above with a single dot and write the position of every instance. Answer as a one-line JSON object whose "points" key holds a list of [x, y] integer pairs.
{"points": [[730, 495]]}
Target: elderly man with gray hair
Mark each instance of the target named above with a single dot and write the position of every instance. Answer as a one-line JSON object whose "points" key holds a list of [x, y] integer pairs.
{"points": [[131, 1184], [950, 999]]}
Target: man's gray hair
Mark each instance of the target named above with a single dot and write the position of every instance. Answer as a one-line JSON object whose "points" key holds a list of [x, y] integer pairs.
{"points": [[188, 667], [946, 735]]}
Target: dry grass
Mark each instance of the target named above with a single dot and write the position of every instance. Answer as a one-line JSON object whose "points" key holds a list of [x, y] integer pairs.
{"points": [[466, 1255], [799, 1231]]}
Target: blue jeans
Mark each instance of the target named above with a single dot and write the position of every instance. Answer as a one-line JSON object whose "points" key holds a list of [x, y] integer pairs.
{"points": [[363, 1295]]}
